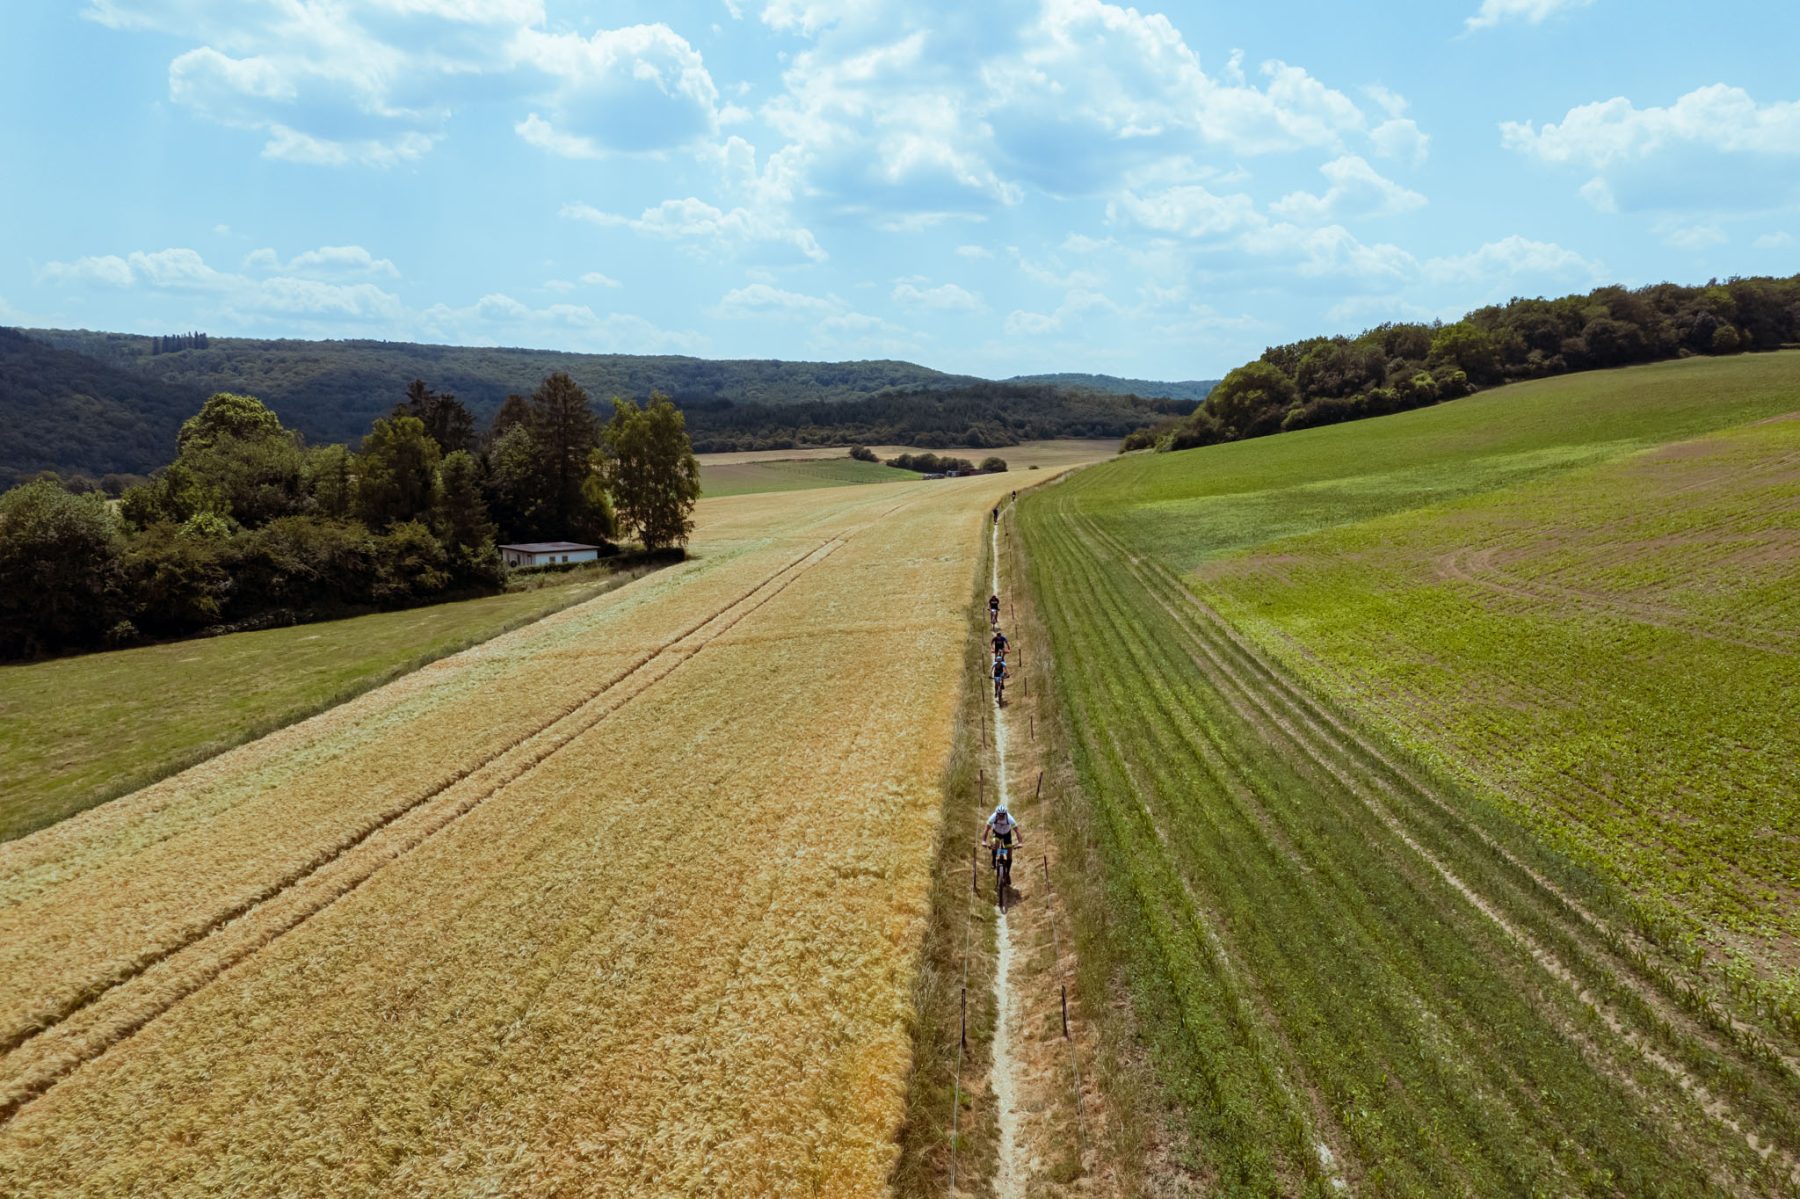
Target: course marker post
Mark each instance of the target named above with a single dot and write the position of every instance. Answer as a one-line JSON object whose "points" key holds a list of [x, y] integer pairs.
{"points": [[1065, 1010], [1038, 794]]}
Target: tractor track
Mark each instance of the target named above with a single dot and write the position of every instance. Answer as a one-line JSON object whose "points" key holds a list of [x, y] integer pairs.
{"points": [[1661, 1025], [109, 1012]]}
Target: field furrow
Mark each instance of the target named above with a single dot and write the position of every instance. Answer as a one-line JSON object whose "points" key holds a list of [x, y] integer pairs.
{"points": [[661, 942], [1382, 936]]}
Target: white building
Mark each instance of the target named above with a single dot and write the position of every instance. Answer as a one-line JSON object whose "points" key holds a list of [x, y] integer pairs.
{"points": [[548, 553]]}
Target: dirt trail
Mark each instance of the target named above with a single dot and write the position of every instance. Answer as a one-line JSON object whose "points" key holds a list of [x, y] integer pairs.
{"points": [[1009, 1177]]}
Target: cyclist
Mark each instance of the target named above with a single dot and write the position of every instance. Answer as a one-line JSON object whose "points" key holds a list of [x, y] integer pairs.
{"points": [[1000, 644], [1000, 677], [1001, 829], [994, 610]]}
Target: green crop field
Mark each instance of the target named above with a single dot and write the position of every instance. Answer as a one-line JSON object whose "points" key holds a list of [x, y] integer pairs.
{"points": [[793, 474], [1442, 769], [78, 731]]}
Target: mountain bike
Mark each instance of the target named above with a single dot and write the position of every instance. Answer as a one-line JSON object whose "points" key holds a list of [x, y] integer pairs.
{"points": [[1002, 872]]}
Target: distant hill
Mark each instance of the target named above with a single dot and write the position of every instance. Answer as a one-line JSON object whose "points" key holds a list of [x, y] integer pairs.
{"points": [[331, 390], [1184, 389], [66, 412], [93, 403]]}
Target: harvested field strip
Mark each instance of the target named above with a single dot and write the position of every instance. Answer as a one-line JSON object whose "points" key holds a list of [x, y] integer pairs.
{"points": [[666, 958], [532, 747], [1374, 989], [25, 1075]]}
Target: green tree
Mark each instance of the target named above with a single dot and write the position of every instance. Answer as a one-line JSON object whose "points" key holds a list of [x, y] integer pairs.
{"points": [[564, 434], [651, 471], [396, 473], [461, 520], [59, 564], [448, 422], [1470, 349], [227, 414], [1254, 394], [331, 480], [511, 483]]}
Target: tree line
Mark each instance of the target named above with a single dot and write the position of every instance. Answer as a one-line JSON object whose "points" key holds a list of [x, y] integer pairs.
{"points": [[1397, 366], [983, 415], [251, 527]]}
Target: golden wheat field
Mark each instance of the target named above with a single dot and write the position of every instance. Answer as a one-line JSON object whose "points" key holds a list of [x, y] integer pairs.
{"points": [[624, 902]]}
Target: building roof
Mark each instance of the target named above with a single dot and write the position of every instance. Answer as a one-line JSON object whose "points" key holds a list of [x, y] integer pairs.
{"points": [[549, 547]]}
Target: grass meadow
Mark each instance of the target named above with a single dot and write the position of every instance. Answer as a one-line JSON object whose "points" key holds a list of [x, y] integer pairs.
{"points": [[1429, 759], [78, 731]]}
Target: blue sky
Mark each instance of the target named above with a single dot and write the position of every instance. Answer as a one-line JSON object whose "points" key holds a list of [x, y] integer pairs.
{"points": [[996, 188]]}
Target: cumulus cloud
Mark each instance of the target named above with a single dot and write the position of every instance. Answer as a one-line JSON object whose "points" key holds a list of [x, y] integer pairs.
{"points": [[946, 297], [326, 261], [711, 229], [1515, 258], [1531, 12], [1714, 148], [832, 326], [323, 306], [763, 300], [1612, 131], [1356, 190], [639, 88], [179, 270]]}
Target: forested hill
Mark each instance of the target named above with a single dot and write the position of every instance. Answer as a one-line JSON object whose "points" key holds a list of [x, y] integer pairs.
{"points": [[87, 403], [63, 411], [1180, 389], [331, 390]]}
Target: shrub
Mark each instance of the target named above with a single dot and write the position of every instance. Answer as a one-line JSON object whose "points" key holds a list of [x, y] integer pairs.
{"points": [[993, 464], [863, 453]]}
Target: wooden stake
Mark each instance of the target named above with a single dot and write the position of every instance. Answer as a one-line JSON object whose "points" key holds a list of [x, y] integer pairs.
{"points": [[1065, 1010], [1040, 786], [965, 1017]]}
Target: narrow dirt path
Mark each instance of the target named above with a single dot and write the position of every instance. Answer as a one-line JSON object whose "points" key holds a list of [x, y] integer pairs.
{"points": [[1009, 1175]]}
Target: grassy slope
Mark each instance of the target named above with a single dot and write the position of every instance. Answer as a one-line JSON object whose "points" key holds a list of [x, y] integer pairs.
{"points": [[1295, 894], [747, 478], [78, 731]]}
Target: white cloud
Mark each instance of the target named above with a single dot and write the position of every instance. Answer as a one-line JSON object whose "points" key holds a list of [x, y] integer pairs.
{"points": [[499, 319], [1186, 211], [1532, 12], [700, 224], [596, 279], [108, 269], [946, 297], [762, 300], [972, 251], [1774, 241], [1690, 237], [184, 271], [1718, 117], [1513, 258], [325, 261], [1076, 303], [1400, 138], [1356, 190], [639, 88], [1714, 149]]}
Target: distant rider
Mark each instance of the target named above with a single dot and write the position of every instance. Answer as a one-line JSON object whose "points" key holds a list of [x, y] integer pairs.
{"points": [[994, 610], [1000, 644]]}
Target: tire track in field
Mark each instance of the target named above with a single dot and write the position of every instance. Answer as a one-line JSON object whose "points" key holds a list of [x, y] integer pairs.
{"points": [[107, 1015], [1600, 936], [250, 926], [1476, 568], [1316, 735]]}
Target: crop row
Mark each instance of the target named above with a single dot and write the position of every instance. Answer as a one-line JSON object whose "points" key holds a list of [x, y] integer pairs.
{"points": [[1335, 951]]}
